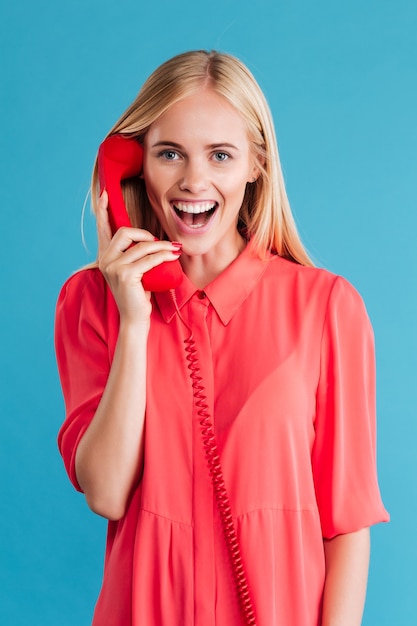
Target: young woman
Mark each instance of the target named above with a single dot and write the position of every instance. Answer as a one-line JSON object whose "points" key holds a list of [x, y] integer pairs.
{"points": [[280, 364]]}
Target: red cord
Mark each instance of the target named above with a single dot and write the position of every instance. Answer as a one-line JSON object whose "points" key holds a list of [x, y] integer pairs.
{"points": [[212, 454], [213, 459]]}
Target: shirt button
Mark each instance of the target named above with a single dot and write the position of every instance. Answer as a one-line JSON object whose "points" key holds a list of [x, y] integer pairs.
{"points": [[201, 295]]}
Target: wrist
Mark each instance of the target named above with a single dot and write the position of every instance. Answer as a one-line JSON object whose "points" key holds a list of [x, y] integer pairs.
{"points": [[136, 328]]}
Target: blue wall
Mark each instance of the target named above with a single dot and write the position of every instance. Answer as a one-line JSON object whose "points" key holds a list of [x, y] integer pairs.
{"points": [[341, 78]]}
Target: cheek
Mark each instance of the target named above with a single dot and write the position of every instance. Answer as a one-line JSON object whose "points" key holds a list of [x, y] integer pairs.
{"points": [[158, 181], [150, 178], [235, 189], [153, 185], [155, 193], [152, 192]]}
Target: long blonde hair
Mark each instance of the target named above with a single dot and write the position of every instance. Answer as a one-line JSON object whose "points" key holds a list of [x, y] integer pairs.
{"points": [[265, 214]]}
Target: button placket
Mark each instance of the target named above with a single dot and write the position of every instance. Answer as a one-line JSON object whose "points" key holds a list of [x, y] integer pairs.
{"points": [[203, 521]]}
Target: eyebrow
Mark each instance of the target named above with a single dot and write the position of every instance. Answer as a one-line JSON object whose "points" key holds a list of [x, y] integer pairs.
{"points": [[212, 146]]}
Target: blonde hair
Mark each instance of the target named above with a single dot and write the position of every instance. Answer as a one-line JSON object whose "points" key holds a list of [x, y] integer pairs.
{"points": [[265, 214]]}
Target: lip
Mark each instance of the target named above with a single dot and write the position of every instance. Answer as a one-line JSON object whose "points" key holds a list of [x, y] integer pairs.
{"points": [[189, 230]]}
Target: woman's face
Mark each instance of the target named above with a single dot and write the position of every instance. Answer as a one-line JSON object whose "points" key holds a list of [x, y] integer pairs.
{"points": [[197, 163]]}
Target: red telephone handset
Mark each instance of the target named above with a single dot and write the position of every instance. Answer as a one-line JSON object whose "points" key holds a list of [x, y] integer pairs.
{"points": [[121, 157]]}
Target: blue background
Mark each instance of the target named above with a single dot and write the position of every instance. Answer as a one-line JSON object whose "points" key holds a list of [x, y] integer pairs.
{"points": [[341, 79]]}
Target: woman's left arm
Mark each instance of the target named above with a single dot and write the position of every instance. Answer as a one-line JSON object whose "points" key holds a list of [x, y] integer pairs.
{"points": [[347, 562]]}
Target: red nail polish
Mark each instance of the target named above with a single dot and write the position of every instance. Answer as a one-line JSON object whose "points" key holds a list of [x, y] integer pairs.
{"points": [[177, 244]]}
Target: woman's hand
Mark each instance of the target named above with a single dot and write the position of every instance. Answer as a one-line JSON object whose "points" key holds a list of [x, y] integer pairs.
{"points": [[123, 264]]}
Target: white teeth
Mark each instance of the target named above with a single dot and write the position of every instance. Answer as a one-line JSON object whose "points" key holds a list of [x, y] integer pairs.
{"points": [[200, 207]]}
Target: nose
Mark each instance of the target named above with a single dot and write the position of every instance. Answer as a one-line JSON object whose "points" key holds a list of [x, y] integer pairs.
{"points": [[195, 176]]}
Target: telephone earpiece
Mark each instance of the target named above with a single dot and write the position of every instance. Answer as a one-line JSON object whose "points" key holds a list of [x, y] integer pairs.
{"points": [[121, 157]]}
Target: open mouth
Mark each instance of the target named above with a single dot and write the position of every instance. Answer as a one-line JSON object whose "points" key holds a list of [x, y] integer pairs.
{"points": [[195, 215]]}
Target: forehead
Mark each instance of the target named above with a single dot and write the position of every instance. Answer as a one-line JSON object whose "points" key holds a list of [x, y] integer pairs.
{"points": [[203, 115]]}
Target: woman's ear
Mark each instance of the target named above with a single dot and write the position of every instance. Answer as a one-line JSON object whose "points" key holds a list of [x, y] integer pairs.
{"points": [[258, 164], [255, 173]]}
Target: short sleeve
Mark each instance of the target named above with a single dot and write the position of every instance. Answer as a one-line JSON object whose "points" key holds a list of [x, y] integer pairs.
{"points": [[85, 314], [344, 452]]}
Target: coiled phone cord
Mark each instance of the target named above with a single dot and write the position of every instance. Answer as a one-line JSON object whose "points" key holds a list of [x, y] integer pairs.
{"points": [[213, 459]]}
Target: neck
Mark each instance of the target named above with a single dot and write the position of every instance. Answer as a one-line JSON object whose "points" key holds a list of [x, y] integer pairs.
{"points": [[203, 269]]}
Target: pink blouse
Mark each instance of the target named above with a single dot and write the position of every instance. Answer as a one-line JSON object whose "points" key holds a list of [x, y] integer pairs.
{"points": [[286, 356]]}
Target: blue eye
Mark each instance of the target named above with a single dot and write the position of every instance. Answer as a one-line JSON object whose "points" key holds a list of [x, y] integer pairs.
{"points": [[169, 155], [221, 156]]}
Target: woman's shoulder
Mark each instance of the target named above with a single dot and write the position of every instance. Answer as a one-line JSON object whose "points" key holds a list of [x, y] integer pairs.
{"points": [[85, 292], [308, 275], [89, 278], [86, 312], [310, 283]]}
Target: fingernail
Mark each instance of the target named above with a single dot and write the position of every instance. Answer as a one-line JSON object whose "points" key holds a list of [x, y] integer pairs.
{"points": [[176, 244], [177, 251]]}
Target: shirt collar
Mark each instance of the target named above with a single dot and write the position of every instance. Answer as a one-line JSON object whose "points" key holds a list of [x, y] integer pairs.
{"points": [[226, 292]]}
